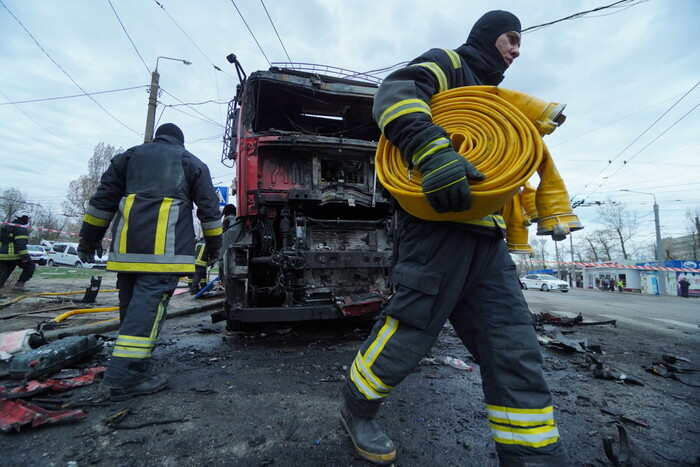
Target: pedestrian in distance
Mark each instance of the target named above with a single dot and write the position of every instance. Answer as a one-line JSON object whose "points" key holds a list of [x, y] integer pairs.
{"points": [[611, 284], [685, 286], [620, 285], [146, 194], [14, 253], [477, 289]]}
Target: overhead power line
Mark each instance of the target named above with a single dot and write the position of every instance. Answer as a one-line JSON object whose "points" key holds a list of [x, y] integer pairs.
{"points": [[71, 96], [65, 72], [642, 134], [627, 3], [127, 35], [273, 27], [251, 32]]}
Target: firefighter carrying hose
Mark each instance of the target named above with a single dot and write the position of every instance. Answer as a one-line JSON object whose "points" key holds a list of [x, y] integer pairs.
{"points": [[13, 252], [460, 271], [147, 194]]}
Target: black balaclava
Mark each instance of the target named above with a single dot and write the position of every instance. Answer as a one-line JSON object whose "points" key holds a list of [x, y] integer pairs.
{"points": [[170, 129], [483, 38]]}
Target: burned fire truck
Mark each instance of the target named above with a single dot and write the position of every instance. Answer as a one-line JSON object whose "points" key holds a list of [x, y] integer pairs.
{"points": [[311, 239]]}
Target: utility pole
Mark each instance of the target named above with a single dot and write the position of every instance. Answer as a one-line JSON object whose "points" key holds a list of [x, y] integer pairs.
{"points": [[153, 99], [660, 276]]}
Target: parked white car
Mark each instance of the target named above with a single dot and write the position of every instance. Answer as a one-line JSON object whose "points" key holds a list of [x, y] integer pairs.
{"points": [[545, 282], [38, 254], [66, 254]]}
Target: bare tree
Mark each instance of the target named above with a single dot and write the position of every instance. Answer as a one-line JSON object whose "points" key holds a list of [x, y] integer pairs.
{"points": [[619, 221], [82, 188], [11, 201]]}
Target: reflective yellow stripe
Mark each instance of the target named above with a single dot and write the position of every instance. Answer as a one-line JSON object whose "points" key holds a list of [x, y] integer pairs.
{"points": [[96, 221], [162, 226], [385, 333], [454, 57], [366, 381], [521, 414], [403, 107], [149, 267], [363, 386], [439, 74], [133, 347], [533, 437], [428, 149], [487, 221], [159, 317], [128, 202], [361, 374], [213, 232], [21, 237]]}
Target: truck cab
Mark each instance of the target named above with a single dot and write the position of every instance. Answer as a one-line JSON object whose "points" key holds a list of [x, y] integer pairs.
{"points": [[311, 239]]}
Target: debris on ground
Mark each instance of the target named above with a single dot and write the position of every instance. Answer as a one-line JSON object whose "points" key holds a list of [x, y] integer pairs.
{"points": [[602, 372], [445, 360], [51, 358], [622, 456], [15, 413], [674, 367]]}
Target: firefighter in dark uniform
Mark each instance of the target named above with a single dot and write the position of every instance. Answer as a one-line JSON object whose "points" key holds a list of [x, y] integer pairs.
{"points": [[147, 194], [198, 281], [476, 289], [13, 252]]}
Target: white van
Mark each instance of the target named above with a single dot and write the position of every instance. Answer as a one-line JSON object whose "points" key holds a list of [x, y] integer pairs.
{"points": [[66, 254]]}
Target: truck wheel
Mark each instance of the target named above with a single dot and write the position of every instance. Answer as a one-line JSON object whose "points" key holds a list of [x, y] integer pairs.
{"points": [[78, 264], [51, 263]]}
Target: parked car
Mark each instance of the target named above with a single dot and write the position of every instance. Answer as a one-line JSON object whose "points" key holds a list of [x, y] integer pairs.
{"points": [[38, 254], [66, 254], [545, 282]]}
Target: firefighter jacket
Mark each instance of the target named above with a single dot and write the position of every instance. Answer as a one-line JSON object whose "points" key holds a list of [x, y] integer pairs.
{"points": [[13, 242], [147, 194], [200, 254], [402, 102]]}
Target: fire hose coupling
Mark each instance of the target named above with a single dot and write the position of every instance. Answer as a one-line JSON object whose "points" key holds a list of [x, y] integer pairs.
{"points": [[558, 226]]}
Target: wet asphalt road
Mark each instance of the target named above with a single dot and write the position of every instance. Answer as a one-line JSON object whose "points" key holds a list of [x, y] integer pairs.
{"points": [[271, 398]]}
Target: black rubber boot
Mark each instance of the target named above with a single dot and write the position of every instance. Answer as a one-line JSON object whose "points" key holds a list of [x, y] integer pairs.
{"points": [[370, 441], [153, 384]]}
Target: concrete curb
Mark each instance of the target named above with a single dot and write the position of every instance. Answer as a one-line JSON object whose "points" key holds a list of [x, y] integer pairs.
{"points": [[99, 328]]}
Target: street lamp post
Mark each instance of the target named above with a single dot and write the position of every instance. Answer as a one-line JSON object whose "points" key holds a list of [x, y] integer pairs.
{"points": [[153, 98], [659, 245]]}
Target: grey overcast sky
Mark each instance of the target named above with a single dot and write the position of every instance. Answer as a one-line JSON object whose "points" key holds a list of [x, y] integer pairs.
{"points": [[629, 75]]}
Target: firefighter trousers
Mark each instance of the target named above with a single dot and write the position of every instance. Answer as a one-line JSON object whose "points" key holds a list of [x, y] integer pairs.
{"points": [[143, 300], [444, 272], [7, 266]]}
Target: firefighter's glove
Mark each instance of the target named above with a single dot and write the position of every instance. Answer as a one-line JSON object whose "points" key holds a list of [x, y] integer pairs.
{"points": [[445, 173], [213, 250], [87, 249]]}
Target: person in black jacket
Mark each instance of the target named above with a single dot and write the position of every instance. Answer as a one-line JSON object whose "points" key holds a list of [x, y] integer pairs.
{"points": [[147, 194], [14, 253], [457, 271]]}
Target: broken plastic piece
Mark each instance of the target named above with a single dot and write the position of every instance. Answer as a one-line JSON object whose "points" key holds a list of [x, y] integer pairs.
{"points": [[34, 387], [51, 358], [16, 413], [14, 342], [606, 373]]}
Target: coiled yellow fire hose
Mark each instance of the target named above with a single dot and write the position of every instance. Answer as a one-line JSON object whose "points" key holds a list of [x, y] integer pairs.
{"points": [[500, 132]]}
